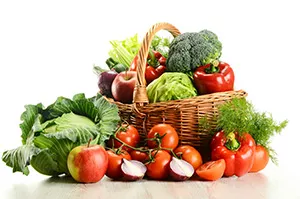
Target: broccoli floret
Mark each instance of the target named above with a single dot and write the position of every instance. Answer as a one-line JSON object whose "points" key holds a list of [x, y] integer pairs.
{"points": [[192, 49]]}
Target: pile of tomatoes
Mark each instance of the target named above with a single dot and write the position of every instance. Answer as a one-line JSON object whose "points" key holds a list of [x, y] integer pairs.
{"points": [[161, 145]]}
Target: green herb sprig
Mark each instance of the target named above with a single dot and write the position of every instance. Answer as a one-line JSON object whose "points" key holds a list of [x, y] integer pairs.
{"points": [[239, 115]]}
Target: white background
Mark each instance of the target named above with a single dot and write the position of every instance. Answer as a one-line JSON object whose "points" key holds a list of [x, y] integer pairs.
{"points": [[48, 48]]}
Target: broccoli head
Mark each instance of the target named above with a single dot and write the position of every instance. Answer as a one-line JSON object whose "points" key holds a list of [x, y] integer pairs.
{"points": [[192, 49]]}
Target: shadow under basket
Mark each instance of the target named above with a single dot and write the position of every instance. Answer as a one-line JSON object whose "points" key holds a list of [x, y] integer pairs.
{"points": [[194, 118]]}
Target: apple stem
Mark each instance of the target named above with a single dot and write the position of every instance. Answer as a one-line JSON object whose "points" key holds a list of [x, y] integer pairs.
{"points": [[88, 145]]}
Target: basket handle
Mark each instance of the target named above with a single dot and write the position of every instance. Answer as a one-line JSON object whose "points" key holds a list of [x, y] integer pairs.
{"points": [[140, 92]]}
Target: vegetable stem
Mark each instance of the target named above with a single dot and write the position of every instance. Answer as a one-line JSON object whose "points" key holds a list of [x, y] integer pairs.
{"points": [[134, 148], [89, 142], [213, 67], [232, 143], [171, 150]]}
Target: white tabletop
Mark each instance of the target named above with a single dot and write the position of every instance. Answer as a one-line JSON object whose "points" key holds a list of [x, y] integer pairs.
{"points": [[273, 182]]}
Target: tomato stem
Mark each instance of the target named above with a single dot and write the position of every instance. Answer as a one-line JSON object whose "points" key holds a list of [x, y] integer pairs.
{"points": [[134, 148], [157, 138], [123, 127], [118, 151], [171, 150]]}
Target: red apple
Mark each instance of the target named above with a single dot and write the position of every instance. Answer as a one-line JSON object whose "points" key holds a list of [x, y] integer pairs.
{"points": [[123, 86], [87, 163]]}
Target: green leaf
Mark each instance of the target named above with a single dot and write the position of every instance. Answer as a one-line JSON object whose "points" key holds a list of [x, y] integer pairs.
{"points": [[124, 51], [59, 153], [108, 116], [79, 105], [19, 158], [96, 140], [161, 44], [171, 86], [71, 120], [78, 134], [46, 163], [29, 119]]}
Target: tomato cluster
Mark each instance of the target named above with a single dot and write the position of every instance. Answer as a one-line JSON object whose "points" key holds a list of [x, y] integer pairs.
{"points": [[161, 146], [156, 155]]}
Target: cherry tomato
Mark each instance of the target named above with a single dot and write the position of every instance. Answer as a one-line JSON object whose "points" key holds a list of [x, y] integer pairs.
{"points": [[212, 170], [138, 155], [159, 168], [189, 154], [114, 164], [261, 159], [129, 135], [170, 136]]}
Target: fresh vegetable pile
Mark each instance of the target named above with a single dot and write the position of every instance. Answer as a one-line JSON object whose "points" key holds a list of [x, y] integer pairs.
{"points": [[185, 67], [85, 137]]}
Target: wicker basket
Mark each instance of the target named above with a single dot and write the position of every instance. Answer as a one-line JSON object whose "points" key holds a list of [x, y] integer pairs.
{"points": [[184, 115]]}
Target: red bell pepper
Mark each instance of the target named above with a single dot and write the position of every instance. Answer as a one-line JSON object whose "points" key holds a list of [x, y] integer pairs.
{"points": [[214, 77], [155, 66], [153, 73], [237, 151]]}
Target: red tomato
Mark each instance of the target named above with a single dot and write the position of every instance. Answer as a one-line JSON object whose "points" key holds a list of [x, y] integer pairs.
{"points": [[170, 136], [189, 154], [114, 164], [261, 159], [212, 170], [159, 168], [129, 135], [138, 155]]}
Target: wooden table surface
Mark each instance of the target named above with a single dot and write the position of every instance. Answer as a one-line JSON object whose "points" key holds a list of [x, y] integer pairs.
{"points": [[272, 183]]}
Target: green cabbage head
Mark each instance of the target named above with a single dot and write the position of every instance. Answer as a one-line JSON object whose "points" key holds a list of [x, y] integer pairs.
{"points": [[171, 86], [49, 134]]}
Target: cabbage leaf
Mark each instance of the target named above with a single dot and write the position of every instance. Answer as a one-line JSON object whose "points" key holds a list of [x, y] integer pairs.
{"points": [[171, 86], [48, 135]]}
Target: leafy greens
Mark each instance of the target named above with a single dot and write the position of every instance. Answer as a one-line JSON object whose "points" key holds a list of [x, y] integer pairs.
{"points": [[124, 51], [239, 115], [171, 86], [48, 135]]}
